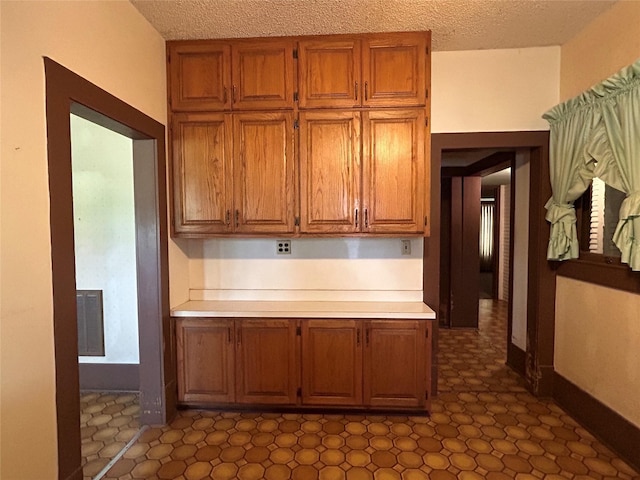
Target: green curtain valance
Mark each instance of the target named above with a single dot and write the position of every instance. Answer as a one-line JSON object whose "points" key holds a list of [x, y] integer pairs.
{"points": [[594, 134]]}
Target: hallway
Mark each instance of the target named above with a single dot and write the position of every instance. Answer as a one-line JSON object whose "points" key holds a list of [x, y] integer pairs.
{"points": [[484, 424]]}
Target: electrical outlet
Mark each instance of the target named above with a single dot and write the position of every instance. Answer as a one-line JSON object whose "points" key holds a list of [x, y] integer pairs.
{"points": [[406, 247], [283, 247]]}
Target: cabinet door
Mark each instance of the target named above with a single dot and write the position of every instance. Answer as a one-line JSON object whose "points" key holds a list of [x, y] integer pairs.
{"points": [[329, 73], [264, 168], [262, 74], [329, 171], [394, 363], [394, 69], [267, 367], [331, 362], [205, 360], [200, 76], [202, 173], [393, 171]]}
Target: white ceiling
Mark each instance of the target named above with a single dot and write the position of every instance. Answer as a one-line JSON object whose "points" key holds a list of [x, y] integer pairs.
{"points": [[455, 24]]}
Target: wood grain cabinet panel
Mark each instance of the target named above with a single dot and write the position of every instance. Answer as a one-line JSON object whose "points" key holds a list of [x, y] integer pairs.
{"points": [[329, 73], [329, 171], [267, 363], [202, 172], [262, 73], [199, 76], [394, 69], [331, 362], [395, 363], [393, 171], [205, 356], [264, 172]]}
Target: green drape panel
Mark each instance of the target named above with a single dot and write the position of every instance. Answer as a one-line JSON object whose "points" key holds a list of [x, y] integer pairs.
{"points": [[596, 134]]}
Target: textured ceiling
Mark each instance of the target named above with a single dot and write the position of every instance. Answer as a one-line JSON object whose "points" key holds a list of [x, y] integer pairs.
{"points": [[455, 24]]}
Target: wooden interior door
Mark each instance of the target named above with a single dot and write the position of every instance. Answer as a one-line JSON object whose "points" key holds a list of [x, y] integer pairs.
{"points": [[393, 171], [329, 73], [262, 73], [205, 354], [331, 362], [394, 70], [329, 171], [200, 76], [264, 188], [267, 366], [202, 172], [395, 363]]}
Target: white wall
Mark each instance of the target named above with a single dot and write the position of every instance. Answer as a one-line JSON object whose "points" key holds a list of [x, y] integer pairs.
{"points": [[520, 236], [505, 242], [493, 90], [105, 233], [112, 45]]}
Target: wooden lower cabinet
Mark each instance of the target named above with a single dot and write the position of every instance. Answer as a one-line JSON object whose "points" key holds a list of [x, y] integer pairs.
{"points": [[331, 362], [205, 360], [395, 363], [267, 367], [341, 363]]}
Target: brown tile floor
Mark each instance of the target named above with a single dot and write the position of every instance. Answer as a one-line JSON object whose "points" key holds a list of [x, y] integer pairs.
{"points": [[107, 422], [484, 425]]}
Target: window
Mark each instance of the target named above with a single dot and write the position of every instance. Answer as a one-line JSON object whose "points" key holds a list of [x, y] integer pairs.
{"points": [[603, 217]]}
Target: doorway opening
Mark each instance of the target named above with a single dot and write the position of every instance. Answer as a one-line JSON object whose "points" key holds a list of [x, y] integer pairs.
{"points": [[66, 94]]}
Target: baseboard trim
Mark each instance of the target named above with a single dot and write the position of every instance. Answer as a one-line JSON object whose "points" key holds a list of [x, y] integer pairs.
{"points": [[603, 422], [516, 358], [109, 376]]}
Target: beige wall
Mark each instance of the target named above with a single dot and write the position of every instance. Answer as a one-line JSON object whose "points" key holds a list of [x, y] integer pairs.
{"points": [[609, 43], [597, 329], [111, 45]]}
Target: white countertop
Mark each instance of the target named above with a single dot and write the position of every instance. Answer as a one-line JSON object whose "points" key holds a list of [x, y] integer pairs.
{"points": [[299, 309]]}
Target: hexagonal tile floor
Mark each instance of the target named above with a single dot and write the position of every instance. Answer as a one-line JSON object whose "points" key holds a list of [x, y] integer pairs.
{"points": [[107, 422], [484, 425]]}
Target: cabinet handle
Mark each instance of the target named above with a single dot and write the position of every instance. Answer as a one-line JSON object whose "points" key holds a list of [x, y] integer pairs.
{"points": [[229, 334], [227, 217], [355, 90], [225, 95], [366, 218], [366, 91], [233, 94], [356, 215], [237, 218]]}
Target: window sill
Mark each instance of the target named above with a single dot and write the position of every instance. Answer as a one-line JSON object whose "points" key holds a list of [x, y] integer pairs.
{"points": [[601, 270]]}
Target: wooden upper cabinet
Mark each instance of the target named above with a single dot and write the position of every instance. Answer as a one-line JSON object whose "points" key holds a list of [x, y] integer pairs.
{"points": [[267, 364], [329, 171], [331, 362], [395, 363], [264, 189], [262, 73], [329, 73], [393, 171], [200, 76], [205, 354], [394, 69], [202, 173]]}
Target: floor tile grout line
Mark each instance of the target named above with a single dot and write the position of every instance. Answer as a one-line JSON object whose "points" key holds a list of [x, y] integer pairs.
{"points": [[119, 455]]}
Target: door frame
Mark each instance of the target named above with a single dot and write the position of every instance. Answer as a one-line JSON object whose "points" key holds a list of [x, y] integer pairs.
{"points": [[541, 287], [68, 93]]}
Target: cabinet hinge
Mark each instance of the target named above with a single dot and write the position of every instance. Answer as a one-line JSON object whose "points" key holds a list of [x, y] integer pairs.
{"points": [[425, 220], [296, 124], [427, 49], [295, 53], [296, 222], [298, 331], [299, 392], [426, 122], [427, 93], [295, 96], [426, 395]]}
